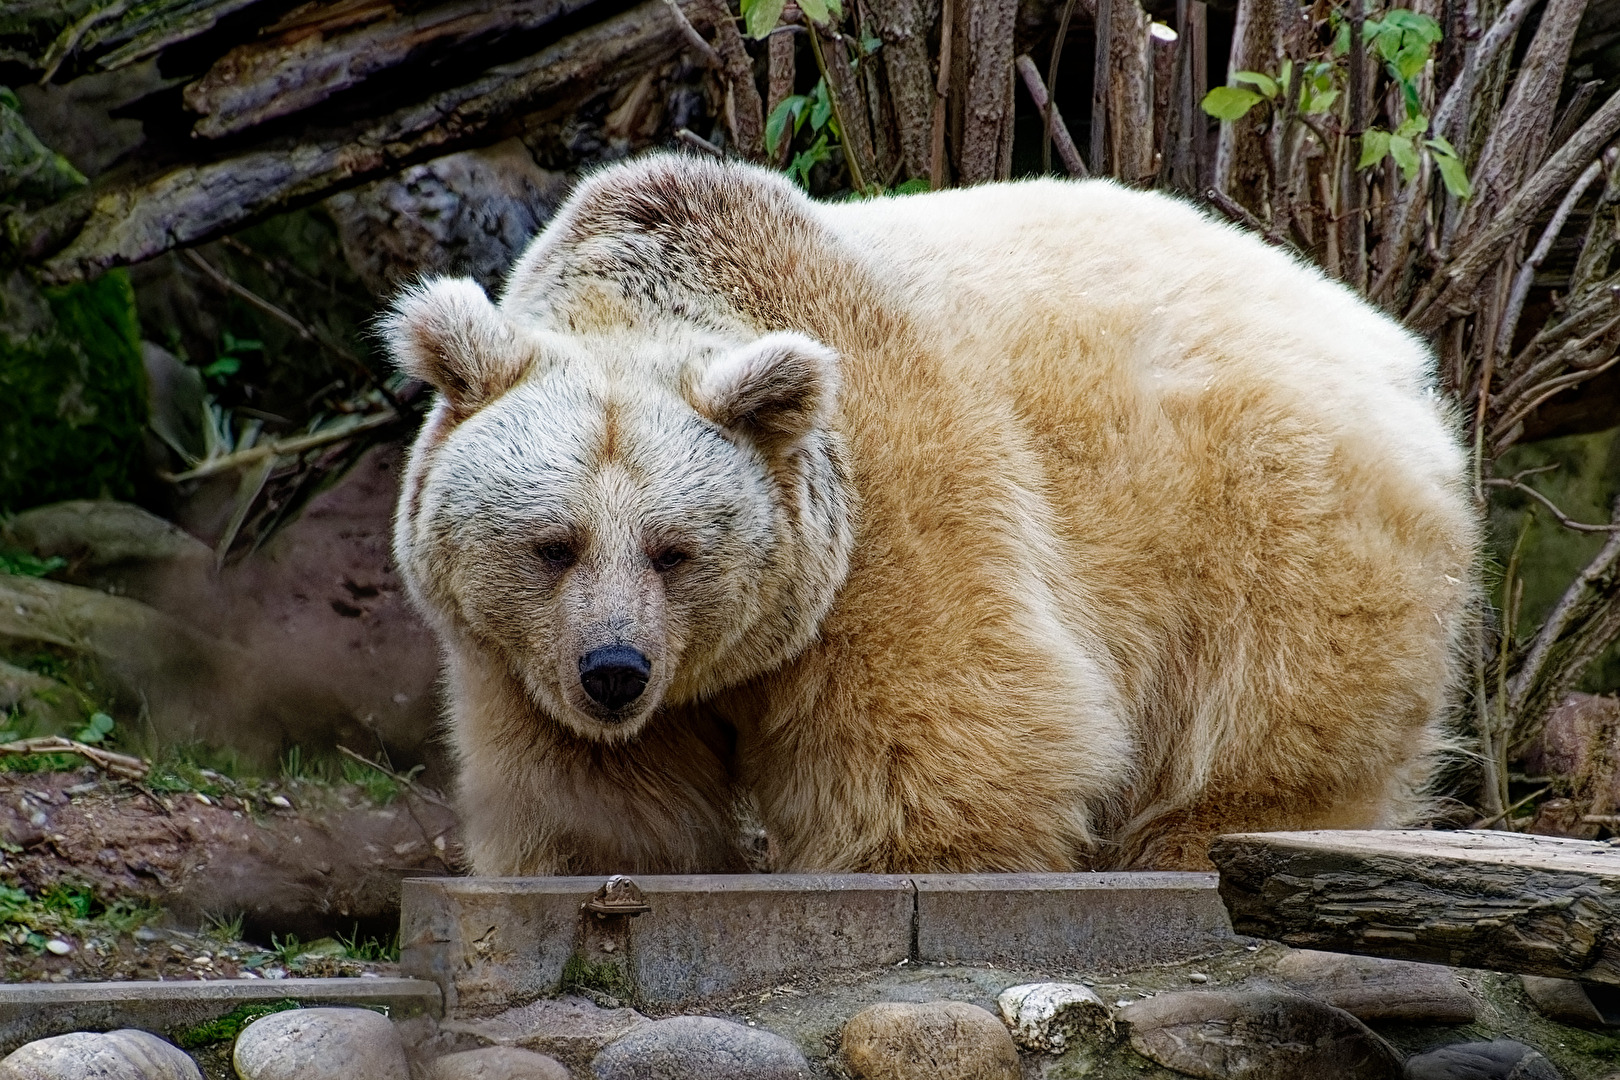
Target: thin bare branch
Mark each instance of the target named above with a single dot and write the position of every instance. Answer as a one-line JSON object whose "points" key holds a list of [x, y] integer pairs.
{"points": [[1562, 518], [1056, 129], [1527, 272]]}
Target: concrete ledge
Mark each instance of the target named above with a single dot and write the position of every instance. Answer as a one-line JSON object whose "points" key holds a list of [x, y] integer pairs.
{"points": [[30, 1011], [491, 943], [494, 942], [1110, 922]]}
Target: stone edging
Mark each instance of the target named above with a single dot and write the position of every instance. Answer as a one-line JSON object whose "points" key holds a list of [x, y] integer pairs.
{"points": [[489, 942]]}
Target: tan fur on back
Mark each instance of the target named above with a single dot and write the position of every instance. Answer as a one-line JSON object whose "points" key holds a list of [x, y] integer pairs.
{"points": [[1102, 529]]}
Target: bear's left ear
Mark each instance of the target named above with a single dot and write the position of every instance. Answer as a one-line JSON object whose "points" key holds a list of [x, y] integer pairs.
{"points": [[445, 332], [774, 390]]}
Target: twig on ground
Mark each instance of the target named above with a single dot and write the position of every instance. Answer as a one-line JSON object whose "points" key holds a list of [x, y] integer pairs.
{"points": [[400, 778], [120, 765]]}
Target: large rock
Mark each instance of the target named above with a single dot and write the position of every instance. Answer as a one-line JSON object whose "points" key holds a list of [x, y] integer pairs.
{"points": [[320, 1044], [497, 1063], [1049, 1017], [700, 1048], [1370, 988], [1256, 1035], [1570, 1002], [1503, 1059], [570, 1029], [118, 1055], [939, 1040]]}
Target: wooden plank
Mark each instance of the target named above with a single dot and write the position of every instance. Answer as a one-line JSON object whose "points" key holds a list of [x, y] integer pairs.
{"points": [[1538, 905]]}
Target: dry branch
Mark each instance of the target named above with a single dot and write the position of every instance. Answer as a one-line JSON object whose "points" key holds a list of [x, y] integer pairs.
{"points": [[1055, 127], [120, 765]]}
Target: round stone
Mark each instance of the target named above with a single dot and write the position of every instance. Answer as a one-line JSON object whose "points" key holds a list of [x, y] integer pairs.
{"points": [[1256, 1035], [1502, 1059], [939, 1040], [118, 1055], [700, 1048], [320, 1044], [1047, 1017], [497, 1063]]}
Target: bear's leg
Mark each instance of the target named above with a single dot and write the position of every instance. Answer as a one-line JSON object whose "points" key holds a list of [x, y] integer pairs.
{"points": [[538, 799]]}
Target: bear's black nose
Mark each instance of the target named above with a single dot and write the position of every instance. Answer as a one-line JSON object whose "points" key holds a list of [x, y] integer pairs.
{"points": [[614, 676]]}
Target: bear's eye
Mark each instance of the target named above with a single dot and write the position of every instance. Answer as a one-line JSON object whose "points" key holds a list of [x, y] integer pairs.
{"points": [[668, 560], [557, 555]]}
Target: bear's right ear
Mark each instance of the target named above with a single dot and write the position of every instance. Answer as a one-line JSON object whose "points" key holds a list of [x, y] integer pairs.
{"points": [[445, 332], [775, 390]]}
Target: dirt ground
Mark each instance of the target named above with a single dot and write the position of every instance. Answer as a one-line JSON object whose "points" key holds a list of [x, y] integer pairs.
{"points": [[211, 878]]}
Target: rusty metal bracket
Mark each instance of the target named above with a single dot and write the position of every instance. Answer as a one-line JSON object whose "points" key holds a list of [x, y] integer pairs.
{"points": [[617, 896]]}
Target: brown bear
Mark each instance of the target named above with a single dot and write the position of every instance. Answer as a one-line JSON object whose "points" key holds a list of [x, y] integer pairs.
{"points": [[1033, 526]]}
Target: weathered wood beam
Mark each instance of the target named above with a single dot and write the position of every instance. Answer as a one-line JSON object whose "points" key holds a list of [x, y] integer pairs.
{"points": [[280, 73], [1537, 905], [134, 219]]}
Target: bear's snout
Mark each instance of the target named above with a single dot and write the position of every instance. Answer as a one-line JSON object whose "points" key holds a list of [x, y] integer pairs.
{"points": [[614, 676]]}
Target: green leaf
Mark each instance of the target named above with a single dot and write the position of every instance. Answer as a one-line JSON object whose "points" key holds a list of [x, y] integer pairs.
{"points": [[26, 564], [1374, 145], [777, 123], [1266, 84], [1405, 155], [815, 10], [1320, 103], [1453, 175], [821, 106], [837, 9], [1341, 40], [234, 344], [1410, 60], [98, 727], [225, 365], [1417, 125], [761, 16], [1229, 102], [1442, 146]]}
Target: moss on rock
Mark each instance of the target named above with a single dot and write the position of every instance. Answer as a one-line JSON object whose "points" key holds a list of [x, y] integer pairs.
{"points": [[75, 391]]}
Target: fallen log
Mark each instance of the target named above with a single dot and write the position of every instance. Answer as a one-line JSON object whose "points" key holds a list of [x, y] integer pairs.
{"points": [[126, 221], [1537, 905]]}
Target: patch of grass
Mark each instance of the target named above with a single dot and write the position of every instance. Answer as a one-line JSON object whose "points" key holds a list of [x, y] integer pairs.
{"points": [[66, 909], [300, 767], [379, 787], [369, 950], [224, 928], [227, 1027], [604, 978]]}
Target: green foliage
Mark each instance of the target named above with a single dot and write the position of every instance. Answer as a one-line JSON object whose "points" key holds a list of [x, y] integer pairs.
{"points": [[224, 929], [23, 564], [229, 359], [229, 1026], [379, 787], [66, 908], [761, 16], [97, 729], [369, 950], [1405, 41], [75, 391]]}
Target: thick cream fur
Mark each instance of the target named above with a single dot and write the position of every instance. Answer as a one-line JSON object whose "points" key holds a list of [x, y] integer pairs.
{"points": [[1033, 526]]}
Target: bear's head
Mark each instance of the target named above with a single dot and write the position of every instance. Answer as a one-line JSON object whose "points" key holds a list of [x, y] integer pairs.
{"points": [[621, 517]]}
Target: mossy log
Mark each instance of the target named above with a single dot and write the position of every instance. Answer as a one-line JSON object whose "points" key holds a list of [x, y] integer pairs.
{"points": [[1537, 905]]}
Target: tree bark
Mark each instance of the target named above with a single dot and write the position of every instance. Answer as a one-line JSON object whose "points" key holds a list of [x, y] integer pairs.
{"points": [[1240, 162], [984, 46], [1537, 905]]}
